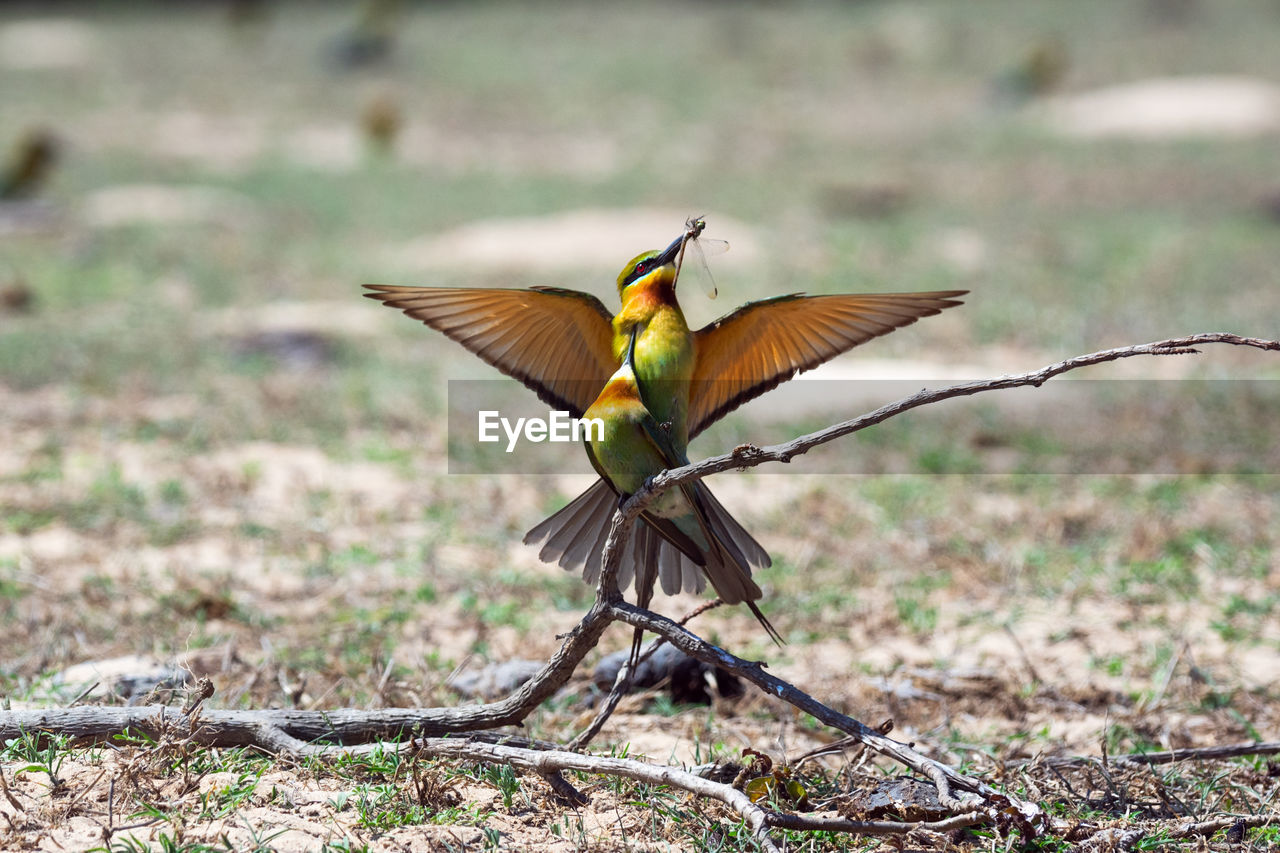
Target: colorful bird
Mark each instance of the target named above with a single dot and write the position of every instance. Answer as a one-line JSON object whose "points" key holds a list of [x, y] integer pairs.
{"points": [[632, 447], [565, 345]]}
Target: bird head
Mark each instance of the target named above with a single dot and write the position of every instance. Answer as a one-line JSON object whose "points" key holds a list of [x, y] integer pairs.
{"points": [[648, 266]]}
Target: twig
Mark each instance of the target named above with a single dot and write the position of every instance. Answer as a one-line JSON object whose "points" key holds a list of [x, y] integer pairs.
{"points": [[276, 740], [554, 761], [86, 789], [1156, 696], [810, 823], [943, 776], [626, 674], [749, 456], [83, 693], [549, 764], [139, 825], [1203, 753], [839, 746], [758, 818], [386, 676], [1022, 653], [8, 795], [347, 726], [564, 791], [1209, 827], [621, 685], [1112, 838]]}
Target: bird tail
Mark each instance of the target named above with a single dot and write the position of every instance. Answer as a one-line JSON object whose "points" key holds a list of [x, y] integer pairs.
{"points": [[574, 538], [733, 554]]}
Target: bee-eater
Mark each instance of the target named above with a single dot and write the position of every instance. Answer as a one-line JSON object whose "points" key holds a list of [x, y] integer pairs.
{"points": [[634, 446], [565, 345]]}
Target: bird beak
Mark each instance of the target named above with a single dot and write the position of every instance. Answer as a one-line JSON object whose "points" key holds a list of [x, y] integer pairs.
{"points": [[670, 254]]}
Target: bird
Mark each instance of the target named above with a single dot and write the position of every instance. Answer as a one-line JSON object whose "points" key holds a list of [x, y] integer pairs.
{"points": [[632, 446], [30, 165], [1039, 71], [565, 345], [371, 40], [381, 122], [16, 296]]}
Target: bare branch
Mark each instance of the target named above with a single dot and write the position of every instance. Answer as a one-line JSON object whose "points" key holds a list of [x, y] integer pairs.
{"points": [[812, 823], [943, 776], [285, 731], [749, 456], [1209, 827], [551, 762], [1204, 753], [758, 818]]}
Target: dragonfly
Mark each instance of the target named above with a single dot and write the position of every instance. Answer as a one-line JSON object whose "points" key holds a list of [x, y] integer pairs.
{"points": [[702, 249]]}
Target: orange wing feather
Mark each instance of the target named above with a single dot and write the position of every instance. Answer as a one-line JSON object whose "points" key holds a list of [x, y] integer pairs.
{"points": [[765, 343], [557, 342]]}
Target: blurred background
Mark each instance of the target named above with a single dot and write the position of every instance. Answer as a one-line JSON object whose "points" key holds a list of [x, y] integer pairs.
{"points": [[214, 448]]}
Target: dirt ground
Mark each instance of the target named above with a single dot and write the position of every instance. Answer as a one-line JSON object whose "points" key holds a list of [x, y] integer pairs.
{"points": [[973, 660], [218, 461]]}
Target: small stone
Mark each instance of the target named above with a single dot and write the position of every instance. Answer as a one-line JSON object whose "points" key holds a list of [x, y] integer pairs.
{"points": [[496, 679]]}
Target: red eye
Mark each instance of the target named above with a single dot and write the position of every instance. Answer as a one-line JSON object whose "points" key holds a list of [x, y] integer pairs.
{"points": [[642, 267]]}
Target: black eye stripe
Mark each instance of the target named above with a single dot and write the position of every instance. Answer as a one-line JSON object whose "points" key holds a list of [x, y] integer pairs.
{"points": [[640, 269]]}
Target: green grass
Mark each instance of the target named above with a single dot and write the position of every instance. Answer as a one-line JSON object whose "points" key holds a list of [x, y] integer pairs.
{"points": [[1067, 270], [39, 753]]}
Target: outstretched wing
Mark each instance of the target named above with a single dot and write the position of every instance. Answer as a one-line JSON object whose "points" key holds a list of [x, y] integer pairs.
{"points": [[557, 342], [765, 343]]}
